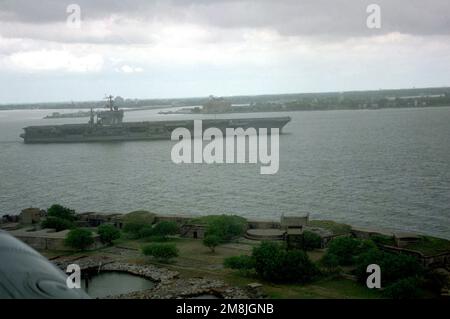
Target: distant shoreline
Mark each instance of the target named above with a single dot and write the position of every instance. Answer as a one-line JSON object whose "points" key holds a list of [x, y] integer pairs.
{"points": [[243, 112], [321, 98]]}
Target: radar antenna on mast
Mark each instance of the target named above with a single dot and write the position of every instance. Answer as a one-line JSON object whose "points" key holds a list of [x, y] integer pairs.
{"points": [[110, 104]]}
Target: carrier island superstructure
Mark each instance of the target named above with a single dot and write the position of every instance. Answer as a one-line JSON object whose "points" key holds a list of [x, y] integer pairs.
{"points": [[108, 125]]}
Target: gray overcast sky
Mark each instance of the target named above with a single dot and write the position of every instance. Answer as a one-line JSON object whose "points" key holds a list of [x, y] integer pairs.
{"points": [[180, 48]]}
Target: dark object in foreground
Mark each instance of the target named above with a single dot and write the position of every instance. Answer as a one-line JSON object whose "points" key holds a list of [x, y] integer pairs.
{"points": [[25, 274]]}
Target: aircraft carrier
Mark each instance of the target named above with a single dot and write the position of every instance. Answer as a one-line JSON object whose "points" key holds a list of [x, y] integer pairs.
{"points": [[108, 126]]}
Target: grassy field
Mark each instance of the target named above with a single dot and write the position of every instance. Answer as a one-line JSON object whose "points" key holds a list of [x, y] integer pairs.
{"points": [[338, 288]]}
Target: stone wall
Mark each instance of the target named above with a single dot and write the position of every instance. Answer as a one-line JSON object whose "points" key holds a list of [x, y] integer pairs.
{"points": [[40, 243], [41, 240], [193, 231], [94, 219], [180, 220], [30, 216], [261, 224], [294, 221]]}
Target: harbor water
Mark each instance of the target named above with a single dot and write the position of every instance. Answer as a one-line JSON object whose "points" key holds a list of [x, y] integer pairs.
{"points": [[387, 168]]}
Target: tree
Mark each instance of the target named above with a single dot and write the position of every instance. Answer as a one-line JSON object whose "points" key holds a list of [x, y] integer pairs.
{"points": [[108, 233], [268, 258], [394, 266], [57, 223], [134, 229], [406, 288], [59, 218], [135, 221], [62, 212], [274, 263], [345, 249], [297, 267], [162, 252], [226, 227], [145, 232], [79, 239], [211, 241]]}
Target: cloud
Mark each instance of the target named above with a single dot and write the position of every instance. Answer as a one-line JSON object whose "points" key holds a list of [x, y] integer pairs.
{"points": [[337, 18], [54, 60], [129, 69]]}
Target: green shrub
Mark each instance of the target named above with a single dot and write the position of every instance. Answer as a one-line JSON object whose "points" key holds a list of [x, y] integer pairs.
{"points": [[406, 288], [330, 262], [274, 263], [108, 233], [134, 229], [57, 223], [311, 240], [297, 267], [162, 229], [393, 266], [211, 241], [399, 266], [144, 232], [162, 252], [165, 228], [62, 212], [242, 262], [268, 257], [365, 245], [79, 239], [345, 249]]}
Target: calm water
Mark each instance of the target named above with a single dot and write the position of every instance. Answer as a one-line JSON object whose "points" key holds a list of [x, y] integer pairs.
{"points": [[115, 283], [381, 168]]}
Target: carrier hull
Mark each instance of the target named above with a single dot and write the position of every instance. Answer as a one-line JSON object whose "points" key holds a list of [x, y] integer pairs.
{"points": [[139, 131]]}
